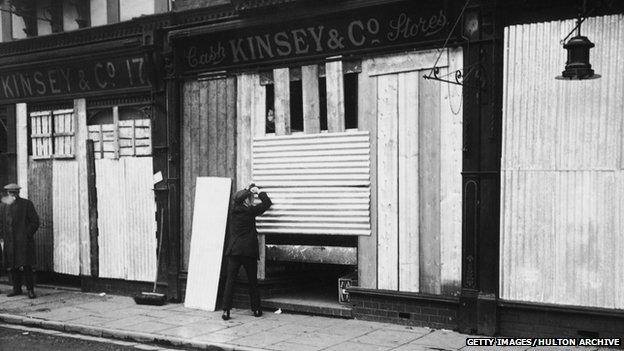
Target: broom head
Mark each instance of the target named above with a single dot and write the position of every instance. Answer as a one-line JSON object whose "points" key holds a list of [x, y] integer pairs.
{"points": [[148, 298]]}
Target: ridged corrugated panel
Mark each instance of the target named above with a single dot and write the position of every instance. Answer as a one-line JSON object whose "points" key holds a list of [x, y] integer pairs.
{"points": [[65, 202], [141, 222], [126, 218], [40, 185], [319, 184], [562, 181]]}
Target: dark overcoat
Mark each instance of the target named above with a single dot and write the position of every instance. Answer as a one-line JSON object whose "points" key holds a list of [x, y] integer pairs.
{"points": [[243, 235], [18, 223]]}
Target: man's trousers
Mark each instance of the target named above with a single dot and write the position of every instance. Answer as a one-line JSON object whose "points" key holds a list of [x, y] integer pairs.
{"points": [[251, 269]]}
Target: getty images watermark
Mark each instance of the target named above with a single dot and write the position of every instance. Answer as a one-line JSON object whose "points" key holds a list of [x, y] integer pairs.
{"points": [[536, 342]]}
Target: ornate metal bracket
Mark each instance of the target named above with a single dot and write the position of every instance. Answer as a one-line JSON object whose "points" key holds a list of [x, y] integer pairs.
{"points": [[459, 77], [435, 75]]}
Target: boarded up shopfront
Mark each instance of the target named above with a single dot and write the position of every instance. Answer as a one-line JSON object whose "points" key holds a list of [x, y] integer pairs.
{"points": [[60, 105], [562, 169], [360, 154]]}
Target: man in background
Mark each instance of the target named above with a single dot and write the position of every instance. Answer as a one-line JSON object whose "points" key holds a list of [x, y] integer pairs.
{"points": [[18, 224]]}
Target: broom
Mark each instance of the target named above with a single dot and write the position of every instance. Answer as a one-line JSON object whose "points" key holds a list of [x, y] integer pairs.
{"points": [[154, 298]]}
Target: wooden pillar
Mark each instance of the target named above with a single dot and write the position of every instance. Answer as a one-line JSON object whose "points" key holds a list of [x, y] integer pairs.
{"points": [[335, 97], [281, 79], [311, 107], [21, 140], [81, 135]]}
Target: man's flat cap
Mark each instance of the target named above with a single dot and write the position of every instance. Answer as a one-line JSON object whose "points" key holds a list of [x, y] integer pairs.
{"points": [[12, 187], [241, 195]]}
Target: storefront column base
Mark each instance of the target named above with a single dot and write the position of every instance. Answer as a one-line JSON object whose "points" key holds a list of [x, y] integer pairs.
{"points": [[478, 313]]}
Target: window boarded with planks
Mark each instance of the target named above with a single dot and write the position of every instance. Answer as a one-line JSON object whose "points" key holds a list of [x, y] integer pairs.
{"points": [[52, 134], [124, 138], [319, 184], [416, 127]]}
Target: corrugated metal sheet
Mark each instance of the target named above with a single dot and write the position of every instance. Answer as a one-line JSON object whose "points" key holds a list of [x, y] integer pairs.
{"points": [[65, 202], [126, 218], [319, 184], [562, 179], [40, 185]]}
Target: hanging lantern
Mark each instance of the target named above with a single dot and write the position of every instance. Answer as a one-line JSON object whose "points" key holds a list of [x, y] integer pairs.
{"points": [[577, 66]]}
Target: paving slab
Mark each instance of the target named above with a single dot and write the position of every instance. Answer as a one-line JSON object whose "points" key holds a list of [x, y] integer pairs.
{"points": [[261, 340], [389, 338], [443, 338], [318, 339], [355, 346], [149, 327]]}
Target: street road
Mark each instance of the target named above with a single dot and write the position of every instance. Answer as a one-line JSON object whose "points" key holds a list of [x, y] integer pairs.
{"points": [[29, 340]]}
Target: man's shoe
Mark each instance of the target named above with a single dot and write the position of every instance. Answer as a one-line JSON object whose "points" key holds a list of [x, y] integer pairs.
{"points": [[31, 294], [14, 293], [226, 315], [257, 313]]}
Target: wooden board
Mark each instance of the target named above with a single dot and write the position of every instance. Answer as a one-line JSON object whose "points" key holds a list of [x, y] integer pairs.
{"points": [[367, 120], [310, 92], [451, 180], [335, 97], [212, 198], [21, 141], [409, 247], [429, 179], [80, 121], [40, 183], [406, 62], [282, 101], [387, 173]]}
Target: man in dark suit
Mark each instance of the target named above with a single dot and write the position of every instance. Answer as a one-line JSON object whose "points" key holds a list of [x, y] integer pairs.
{"points": [[242, 249], [18, 223]]}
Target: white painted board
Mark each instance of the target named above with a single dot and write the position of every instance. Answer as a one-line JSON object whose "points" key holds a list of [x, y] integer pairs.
{"points": [[212, 196]]}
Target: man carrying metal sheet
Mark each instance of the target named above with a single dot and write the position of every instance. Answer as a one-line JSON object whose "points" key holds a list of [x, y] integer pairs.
{"points": [[18, 223], [242, 249]]}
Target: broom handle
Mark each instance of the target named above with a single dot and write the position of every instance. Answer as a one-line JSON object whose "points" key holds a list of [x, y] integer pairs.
{"points": [[162, 217]]}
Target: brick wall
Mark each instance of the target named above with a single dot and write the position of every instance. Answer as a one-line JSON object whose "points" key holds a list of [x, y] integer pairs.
{"points": [[403, 308], [523, 320]]}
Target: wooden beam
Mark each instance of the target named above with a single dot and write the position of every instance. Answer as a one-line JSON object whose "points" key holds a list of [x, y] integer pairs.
{"points": [[243, 132], [408, 186], [282, 101], [335, 97], [387, 172], [21, 133], [311, 108], [94, 249], [231, 128], [80, 150], [367, 120], [116, 132]]}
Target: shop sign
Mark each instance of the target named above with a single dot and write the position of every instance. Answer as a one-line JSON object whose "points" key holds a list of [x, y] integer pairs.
{"points": [[397, 24], [73, 78]]}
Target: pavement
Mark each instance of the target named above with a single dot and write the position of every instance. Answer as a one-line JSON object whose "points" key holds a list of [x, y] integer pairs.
{"points": [[118, 317]]}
